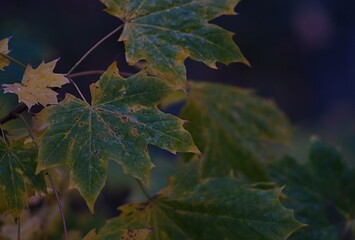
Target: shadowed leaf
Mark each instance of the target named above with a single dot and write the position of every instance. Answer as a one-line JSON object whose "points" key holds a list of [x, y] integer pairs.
{"points": [[219, 208], [234, 129], [321, 192]]}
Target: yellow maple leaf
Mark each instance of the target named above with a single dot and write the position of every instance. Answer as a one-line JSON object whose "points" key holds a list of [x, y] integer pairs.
{"points": [[36, 85], [4, 50]]}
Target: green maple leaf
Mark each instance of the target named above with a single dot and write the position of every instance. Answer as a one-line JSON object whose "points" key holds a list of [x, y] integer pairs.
{"points": [[218, 208], [321, 192], [17, 167], [234, 129], [119, 124], [165, 33]]}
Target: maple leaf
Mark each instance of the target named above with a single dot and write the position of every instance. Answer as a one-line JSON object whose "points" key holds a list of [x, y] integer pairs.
{"points": [[4, 50], [17, 166], [321, 191], [165, 33], [209, 209], [121, 120], [36, 85], [234, 129]]}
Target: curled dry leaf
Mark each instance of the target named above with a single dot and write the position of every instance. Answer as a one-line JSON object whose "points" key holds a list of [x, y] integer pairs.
{"points": [[4, 50], [36, 85]]}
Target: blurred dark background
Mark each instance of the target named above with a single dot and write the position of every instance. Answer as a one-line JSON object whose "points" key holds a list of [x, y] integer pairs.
{"points": [[302, 55]]}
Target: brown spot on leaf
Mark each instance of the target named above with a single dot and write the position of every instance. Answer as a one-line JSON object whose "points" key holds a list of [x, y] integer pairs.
{"points": [[124, 118], [136, 108], [134, 131]]}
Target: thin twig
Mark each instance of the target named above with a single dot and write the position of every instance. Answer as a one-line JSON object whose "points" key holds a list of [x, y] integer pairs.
{"points": [[59, 206], [28, 128], [18, 220], [86, 73], [49, 177], [93, 48], [145, 192], [96, 72], [14, 60], [77, 89]]}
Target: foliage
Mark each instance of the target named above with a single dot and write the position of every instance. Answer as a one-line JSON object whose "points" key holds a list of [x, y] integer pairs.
{"points": [[36, 85], [216, 207], [223, 187], [121, 120], [322, 193], [234, 129], [165, 33], [17, 166]]}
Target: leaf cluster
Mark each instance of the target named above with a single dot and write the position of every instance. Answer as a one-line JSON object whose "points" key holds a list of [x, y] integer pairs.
{"points": [[228, 183]]}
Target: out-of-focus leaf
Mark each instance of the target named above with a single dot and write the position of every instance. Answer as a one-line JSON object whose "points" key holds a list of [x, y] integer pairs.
{"points": [[4, 50], [321, 192], [234, 129], [218, 208], [121, 121], [18, 166], [36, 85], [165, 33]]}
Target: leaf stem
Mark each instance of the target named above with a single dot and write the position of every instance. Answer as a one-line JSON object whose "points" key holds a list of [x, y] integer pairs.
{"points": [[28, 128], [59, 206], [14, 60], [144, 190], [93, 48], [96, 72], [77, 89], [86, 73], [49, 177]]}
